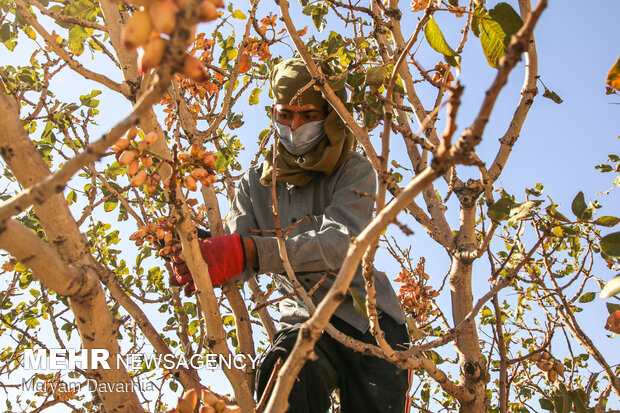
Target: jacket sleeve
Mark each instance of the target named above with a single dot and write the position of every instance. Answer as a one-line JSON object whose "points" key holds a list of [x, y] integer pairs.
{"points": [[325, 246], [241, 218]]}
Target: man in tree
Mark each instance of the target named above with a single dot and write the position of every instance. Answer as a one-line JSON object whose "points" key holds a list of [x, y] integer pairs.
{"points": [[321, 187]]}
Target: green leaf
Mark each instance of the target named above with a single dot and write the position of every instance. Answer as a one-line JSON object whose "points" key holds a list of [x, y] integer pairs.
{"points": [[318, 14], [76, 39], [546, 404], [508, 19], [376, 75], [87, 100], [612, 287], [71, 197], [30, 32], [356, 79], [334, 42], [579, 205], [94, 46], [262, 134], [238, 14], [359, 305], [222, 161], [492, 40], [479, 13], [231, 54], [5, 32], [612, 308], [454, 61], [579, 403], [607, 221], [84, 9], [370, 119], [425, 393], [193, 327], [587, 297], [562, 400], [500, 210], [228, 320], [307, 10], [435, 357], [550, 94], [174, 386], [435, 38], [110, 204], [338, 84], [10, 44], [254, 96], [610, 244], [495, 30]]}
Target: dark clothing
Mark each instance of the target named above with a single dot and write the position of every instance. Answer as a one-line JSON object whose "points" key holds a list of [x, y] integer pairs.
{"points": [[366, 383]]}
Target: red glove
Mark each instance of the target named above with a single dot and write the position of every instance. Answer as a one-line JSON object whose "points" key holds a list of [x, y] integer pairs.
{"points": [[224, 255]]}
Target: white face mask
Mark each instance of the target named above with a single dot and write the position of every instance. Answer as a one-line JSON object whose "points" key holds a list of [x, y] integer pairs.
{"points": [[302, 139]]}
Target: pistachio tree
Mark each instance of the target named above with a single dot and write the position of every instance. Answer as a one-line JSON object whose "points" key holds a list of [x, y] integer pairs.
{"points": [[94, 206]]}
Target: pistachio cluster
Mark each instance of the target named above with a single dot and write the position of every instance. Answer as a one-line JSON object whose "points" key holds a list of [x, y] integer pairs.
{"points": [[211, 403], [131, 152], [196, 165], [550, 366], [161, 234], [414, 295], [200, 164], [157, 18]]}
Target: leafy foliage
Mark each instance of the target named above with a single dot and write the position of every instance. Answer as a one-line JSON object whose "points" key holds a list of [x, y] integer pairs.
{"points": [[544, 258]]}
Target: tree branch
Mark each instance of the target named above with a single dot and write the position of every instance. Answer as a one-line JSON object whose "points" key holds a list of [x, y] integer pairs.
{"points": [[37, 255], [68, 19], [311, 329], [520, 42], [528, 92], [64, 55]]}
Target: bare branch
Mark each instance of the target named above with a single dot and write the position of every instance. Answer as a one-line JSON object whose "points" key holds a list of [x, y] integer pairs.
{"points": [[528, 92], [259, 299], [519, 43]]}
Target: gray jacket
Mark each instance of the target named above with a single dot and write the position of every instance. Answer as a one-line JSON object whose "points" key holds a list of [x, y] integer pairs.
{"points": [[319, 243]]}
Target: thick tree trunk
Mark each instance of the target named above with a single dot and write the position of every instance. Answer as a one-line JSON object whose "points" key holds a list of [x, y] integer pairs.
{"points": [[95, 323], [473, 373]]}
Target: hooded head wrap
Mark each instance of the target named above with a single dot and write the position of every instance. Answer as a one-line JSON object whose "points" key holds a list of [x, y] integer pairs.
{"points": [[287, 78]]}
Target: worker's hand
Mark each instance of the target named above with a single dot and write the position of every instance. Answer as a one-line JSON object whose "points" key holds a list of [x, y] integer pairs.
{"points": [[224, 255]]}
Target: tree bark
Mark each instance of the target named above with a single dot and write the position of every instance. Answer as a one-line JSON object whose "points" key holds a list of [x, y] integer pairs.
{"points": [[95, 323], [472, 367]]}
